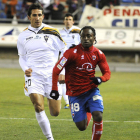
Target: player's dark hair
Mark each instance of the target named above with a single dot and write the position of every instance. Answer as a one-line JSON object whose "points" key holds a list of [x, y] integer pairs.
{"points": [[89, 27], [69, 15], [35, 6]]}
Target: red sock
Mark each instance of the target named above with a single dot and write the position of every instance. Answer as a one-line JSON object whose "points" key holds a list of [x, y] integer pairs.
{"points": [[97, 130], [89, 116]]}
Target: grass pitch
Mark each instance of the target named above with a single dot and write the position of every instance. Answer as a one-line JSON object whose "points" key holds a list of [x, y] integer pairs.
{"points": [[121, 114]]}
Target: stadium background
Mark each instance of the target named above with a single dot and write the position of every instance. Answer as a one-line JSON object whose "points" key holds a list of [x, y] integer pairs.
{"points": [[118, 58], [120, 93]]}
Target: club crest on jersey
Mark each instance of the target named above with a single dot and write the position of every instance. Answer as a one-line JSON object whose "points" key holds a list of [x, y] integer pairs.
{"points": [[46, 38], [93, 57], [63, 61]]}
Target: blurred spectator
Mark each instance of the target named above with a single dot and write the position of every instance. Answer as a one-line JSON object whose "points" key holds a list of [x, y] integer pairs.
{"points": [[88, 2], [91, 2], [56, 10], [45, 4], [25, 5], [109, 3], [73, 6], [10, 8]]}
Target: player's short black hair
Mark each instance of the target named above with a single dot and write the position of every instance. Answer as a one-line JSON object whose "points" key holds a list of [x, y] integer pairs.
{"points": [[35, 6], [69, 15], [89, 27]]}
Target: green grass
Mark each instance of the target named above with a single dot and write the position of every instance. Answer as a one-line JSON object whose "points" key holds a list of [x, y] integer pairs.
{"points": [[121, 101]]}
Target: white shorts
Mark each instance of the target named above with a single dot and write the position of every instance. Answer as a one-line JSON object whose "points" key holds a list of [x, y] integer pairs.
{"points": [[38, 84]]}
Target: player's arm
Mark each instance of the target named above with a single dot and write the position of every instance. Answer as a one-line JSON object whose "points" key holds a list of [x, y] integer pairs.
{"points": [[60, 42], [25, 68], [22, 59], [56, 71], [103, 65]]}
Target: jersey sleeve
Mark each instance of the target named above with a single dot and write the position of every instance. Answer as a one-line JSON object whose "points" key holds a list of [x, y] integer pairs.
{"points": [[58, 68], [104, 67], [61, 45], [22, 55]]}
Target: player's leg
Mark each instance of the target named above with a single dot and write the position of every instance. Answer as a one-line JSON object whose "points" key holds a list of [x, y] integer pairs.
{"points": [[63, 86], [85, 122], [32, 86], [43, 121], [97, 127], [54, 105], [78, 111], [95, 104], [89, 116]]}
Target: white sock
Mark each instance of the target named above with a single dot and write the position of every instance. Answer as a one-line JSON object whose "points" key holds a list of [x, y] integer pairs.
{"points": [[64, 94], [66, 98], [44, 124]]}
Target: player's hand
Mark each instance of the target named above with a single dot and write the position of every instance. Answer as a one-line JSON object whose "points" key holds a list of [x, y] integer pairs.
{"points": [[54, 94], [28, 72], [96, 80]]}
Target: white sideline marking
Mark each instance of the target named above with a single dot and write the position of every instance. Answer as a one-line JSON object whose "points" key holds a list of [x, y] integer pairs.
{"points": [[1, 118]]}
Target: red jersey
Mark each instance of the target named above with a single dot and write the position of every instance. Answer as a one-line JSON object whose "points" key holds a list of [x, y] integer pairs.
{"points": [[80, 64]]}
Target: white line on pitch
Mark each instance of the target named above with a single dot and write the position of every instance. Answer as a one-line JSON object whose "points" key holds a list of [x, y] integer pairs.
{"points": [[2, 118]]}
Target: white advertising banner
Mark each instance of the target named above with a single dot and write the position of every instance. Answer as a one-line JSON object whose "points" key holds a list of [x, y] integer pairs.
{"points": [[137, 39], [107, 38], [112, 38], [119, 16], [9, 34]]}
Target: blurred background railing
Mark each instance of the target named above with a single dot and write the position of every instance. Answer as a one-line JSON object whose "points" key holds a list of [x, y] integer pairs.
{"points": [[120, 41]]}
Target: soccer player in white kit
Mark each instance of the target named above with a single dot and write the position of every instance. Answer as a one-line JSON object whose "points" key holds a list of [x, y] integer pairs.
{"points": [[38, 49], [70, 35]]}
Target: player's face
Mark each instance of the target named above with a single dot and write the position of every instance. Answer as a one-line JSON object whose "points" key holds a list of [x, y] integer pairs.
{"points": [[36, 18], [68, 21], [87, 38]]}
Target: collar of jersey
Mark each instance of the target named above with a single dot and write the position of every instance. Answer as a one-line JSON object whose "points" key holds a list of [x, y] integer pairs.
{"points": [[35, 29], [68, 30]]}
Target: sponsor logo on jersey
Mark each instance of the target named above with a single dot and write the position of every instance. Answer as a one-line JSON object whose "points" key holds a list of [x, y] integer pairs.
{"points": [[37, 37], [46, 38], [73, 36], [93, 57], [58, 66], [63, 61], [86, 66], [29, 38]]}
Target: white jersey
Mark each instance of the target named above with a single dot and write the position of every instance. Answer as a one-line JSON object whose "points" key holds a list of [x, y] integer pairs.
{"points": [[71, 36], [38, 48]]}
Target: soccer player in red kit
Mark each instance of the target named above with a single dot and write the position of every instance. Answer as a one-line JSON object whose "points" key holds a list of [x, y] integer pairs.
{"points": [[81, 83]]}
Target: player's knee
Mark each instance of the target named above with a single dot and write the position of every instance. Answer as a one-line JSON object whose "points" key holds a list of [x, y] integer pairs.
{"points": [[97, 116], [81, 126], [54, 113], [38, 108]]}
